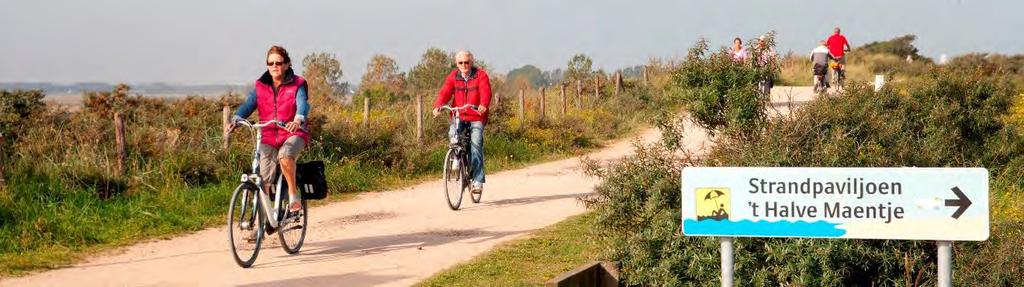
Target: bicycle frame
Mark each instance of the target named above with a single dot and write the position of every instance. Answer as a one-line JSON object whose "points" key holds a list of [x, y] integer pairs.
{"points": [[254, 177], [462, 144], [455, 117]]}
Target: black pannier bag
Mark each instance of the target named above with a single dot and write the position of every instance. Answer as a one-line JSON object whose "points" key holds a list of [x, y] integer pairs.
{"points": [[312, 181]]}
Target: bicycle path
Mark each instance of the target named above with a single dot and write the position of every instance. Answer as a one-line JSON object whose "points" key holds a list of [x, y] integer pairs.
{"points": [[394, 238]]}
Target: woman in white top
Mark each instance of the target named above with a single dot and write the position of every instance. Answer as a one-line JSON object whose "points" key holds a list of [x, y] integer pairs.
{"points": [[739, 53]]}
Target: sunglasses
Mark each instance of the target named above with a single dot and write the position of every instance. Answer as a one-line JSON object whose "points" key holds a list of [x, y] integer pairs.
{"points": [[464, 62], [272, 64]]}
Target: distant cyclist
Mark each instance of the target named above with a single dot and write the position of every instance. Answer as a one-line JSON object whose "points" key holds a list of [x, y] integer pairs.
{"points": [[468, 85], [279, 94], [819, 57], [838, 46]]}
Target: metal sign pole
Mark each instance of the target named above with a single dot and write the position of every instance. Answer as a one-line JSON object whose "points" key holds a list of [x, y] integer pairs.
{"points": [[726, 243], [945, 263]]}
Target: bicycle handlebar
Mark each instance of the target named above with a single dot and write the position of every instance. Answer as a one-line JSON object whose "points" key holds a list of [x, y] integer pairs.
{"points": [[253, 125], [446, 107], [260, 125]]}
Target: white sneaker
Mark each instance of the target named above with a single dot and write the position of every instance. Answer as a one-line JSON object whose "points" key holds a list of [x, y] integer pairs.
{"points": [[476, 187], [455, 166]]}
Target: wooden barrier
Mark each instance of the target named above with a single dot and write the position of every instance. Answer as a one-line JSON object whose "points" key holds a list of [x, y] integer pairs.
{"points": [[595, 273]]}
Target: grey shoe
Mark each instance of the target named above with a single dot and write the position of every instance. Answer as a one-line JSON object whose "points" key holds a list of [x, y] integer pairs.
{"points": [[476, 188]]}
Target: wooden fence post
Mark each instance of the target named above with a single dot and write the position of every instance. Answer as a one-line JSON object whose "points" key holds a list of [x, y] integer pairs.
{"points": [[645, 76], [366, 112], [579, 94], [3, 183], [542, 103], [419, 118], [119, 136], [618, 82], [597, 87], [561, 95], [495, 99], [226, 120], [522, 108]]}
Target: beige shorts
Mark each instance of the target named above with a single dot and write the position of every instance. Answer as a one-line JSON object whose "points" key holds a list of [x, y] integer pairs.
{"points": [[270, 155]]}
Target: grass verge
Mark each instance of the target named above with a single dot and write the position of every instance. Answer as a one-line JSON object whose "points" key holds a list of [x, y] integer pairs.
{"points": [[529, 261]]}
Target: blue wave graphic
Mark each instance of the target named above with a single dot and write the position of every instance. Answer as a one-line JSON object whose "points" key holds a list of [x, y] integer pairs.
{"points": [[762, 228]]}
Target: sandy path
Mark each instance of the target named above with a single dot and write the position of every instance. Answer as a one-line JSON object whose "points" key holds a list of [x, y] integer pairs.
{"points": [[394, 238]]}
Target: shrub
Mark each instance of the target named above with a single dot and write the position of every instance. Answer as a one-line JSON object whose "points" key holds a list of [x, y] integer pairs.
{"points": [[720, 93], [15, 107], [901, 47]]}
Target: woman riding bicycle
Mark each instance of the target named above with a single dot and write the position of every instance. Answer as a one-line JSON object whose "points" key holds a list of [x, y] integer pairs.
{"points": [[279, 94]]}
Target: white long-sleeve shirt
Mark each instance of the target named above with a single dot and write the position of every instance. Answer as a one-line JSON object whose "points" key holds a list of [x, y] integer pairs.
{"points": [[820, 55]]}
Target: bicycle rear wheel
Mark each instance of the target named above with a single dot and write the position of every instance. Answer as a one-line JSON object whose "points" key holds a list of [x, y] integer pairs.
{"points": [[842, 78], [454, 180], [837, 79], [292, 232], [245, 225]]}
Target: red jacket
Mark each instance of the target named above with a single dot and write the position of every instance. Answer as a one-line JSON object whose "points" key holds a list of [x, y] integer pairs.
{"points": [[837, 45], [278, 105], [474, 90]]}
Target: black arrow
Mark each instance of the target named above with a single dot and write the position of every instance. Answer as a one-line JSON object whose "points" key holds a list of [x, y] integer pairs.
{"points": [[961, 201]]}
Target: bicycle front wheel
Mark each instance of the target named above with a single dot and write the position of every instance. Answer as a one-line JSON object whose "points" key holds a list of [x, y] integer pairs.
{"points": [[468, 176], [293, 228], [454, 181], [245, 225]]}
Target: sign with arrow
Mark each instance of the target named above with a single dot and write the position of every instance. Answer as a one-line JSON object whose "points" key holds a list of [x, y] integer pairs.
{"points": [[948, 204]]}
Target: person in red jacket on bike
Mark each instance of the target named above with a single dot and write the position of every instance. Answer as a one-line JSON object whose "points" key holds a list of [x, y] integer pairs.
{"points": [[468, 85], [838, 46]]}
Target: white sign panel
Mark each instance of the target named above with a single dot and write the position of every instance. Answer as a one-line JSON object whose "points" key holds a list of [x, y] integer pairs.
{"points": [[867, 203]]}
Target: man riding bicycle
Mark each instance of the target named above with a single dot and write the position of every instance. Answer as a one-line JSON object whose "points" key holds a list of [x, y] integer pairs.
{"points": [[838, 46], [819, 58], [279, 94], [468, 85]]}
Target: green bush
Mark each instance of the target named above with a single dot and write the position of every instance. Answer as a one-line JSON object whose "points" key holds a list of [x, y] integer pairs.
{"points": [[721, 93], [901, 47], [15, 107]]}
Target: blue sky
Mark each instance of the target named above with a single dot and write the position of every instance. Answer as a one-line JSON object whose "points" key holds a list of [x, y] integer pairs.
{"points": [[218, 42]]}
